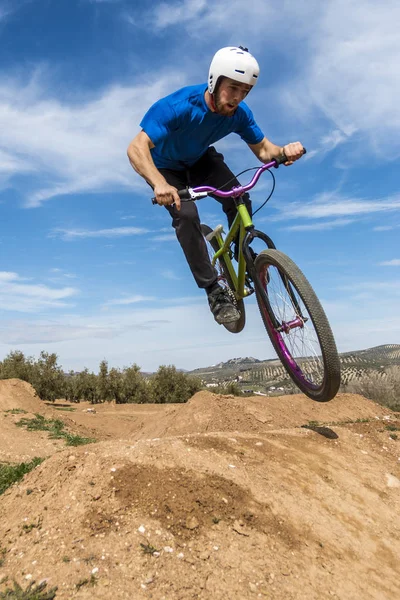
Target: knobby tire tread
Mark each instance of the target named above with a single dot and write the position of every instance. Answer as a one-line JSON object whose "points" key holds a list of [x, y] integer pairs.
{"points": [[331, 382]]}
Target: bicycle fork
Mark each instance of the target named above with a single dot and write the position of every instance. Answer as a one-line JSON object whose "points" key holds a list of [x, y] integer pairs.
{"points": [[283, 326]]}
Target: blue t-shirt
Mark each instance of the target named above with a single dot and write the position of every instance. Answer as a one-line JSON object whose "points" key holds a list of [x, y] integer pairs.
{"points": [[182, 127]]}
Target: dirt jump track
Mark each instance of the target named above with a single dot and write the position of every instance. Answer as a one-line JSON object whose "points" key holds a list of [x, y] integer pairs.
{"points": [[220, 498]]}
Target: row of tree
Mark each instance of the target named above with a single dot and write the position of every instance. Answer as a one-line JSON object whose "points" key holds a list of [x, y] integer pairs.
{"points": [[119, 385]]}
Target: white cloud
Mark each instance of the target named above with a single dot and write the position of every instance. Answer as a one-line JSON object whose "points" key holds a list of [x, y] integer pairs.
{"points": [[373, 287], [328, 143], [345, 54], [11, 163], [30, 297], [320, 226], [203, 18], [166, 237], [166, 14], [349, 72], [185, 334], [169, 274], [74, 147], [7, 8], [115, 232], [395, 262], [334, 205], [386, 227], [129, 300], [342, 71]]}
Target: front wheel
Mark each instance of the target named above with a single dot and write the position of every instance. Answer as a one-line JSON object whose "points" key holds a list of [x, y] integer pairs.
{"points": [[297, 325], [225, 280]]}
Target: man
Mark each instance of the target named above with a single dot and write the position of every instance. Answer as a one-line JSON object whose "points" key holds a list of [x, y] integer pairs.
{"points": [[173, 150]]}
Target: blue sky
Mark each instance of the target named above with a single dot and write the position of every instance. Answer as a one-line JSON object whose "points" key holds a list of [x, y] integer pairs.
{"points": [[91, 270]]}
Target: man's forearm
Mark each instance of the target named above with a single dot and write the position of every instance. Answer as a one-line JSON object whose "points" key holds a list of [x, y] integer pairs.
{"points": [[266, 150], [142, 163], [269, 152]]}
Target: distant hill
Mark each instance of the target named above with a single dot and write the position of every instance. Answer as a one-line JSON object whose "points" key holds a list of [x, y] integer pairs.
{"points": [[262, 374]]}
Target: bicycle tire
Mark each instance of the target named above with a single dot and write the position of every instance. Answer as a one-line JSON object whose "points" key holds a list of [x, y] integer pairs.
{"points": [[225, 279], [316, 375]]}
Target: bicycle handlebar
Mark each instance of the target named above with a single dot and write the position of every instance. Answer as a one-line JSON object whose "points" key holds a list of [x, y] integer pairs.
{"points": [[188, 193]]}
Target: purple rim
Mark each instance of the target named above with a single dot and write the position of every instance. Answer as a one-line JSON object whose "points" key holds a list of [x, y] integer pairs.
{"points": [[294, 367]]}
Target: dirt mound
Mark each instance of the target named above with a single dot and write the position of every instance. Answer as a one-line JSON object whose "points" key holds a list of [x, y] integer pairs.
{"points": [[220, 498], [17, 394], [288, 515], [207, 412], [18, 400]]}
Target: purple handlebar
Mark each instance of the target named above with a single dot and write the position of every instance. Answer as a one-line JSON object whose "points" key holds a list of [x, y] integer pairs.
{"points": [[234, 192], [239, 190]]}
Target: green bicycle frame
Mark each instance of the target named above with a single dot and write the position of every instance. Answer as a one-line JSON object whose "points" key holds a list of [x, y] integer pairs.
{"points": [[241, 223]]}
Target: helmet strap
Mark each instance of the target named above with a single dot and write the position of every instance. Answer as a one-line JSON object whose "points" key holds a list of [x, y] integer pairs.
{"points": [[212, 96], [212, 102]]}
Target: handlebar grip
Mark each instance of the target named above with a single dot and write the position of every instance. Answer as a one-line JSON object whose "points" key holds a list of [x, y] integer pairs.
{"points": [[283, 158], [183, 195]]}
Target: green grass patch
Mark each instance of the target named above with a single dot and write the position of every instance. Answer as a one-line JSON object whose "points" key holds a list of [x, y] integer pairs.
{"points": [[56, 429], [311, 425], [10, 474], [148, 548], [3, 553], [65, 408], [16, 411], [27, 527], [91, 582], [32, 592]]}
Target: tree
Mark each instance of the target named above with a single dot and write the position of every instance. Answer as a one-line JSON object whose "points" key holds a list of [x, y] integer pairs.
{"points": [[72, 392], [49, 379], [116, 381], [169, 385], [16, 365], [104, 391], [134, 386], [87, 386]]}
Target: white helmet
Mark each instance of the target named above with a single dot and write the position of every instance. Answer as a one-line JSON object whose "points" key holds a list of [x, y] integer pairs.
{"points": [[234, 62]]}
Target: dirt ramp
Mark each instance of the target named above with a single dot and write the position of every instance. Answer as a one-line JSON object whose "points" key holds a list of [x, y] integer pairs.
{"points": [[288, 515], [207, 412], [18, 394], [18, 400]]}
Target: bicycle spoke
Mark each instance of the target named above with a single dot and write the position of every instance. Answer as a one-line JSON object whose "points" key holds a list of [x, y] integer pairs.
{"points": [[301, 341]]}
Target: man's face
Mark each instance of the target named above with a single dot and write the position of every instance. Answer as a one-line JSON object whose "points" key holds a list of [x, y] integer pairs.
{"points": [[229, 95]]}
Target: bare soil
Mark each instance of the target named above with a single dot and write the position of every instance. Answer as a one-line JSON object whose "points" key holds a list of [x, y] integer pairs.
{"points": [[220, 498]]}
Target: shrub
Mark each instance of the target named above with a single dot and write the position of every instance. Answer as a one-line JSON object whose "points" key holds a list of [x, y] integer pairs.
{"points": [[10, 474], [16, 365], [231, 388], [169, 386], [385, 389]]}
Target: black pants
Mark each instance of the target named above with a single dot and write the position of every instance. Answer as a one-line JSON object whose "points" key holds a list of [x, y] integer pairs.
{"points": [[210, 170]]}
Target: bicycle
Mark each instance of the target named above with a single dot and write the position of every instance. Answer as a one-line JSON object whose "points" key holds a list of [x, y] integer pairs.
{"points": [[291, 312]]}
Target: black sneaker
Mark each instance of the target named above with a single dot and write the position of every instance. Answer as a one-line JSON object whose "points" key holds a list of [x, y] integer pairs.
{"points": [[222, 306]]}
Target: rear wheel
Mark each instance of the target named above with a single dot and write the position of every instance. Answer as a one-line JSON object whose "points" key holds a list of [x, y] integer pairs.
{"points": [[225, 281], [297, 325]]}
